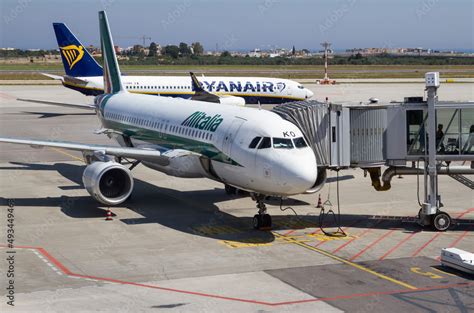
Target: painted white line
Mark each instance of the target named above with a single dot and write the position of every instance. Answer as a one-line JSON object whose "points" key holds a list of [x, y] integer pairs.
{"points": [[46, 261]]}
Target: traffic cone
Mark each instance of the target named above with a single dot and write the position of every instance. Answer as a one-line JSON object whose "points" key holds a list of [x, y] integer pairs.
{"points": [[109, 215], [320, 203]]}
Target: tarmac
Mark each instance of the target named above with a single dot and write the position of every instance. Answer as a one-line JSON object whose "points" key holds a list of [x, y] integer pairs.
{"points": [[184, 245]]}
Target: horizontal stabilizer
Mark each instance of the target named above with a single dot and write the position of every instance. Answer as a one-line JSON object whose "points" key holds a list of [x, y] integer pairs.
{"points": [[56, 77], [62, 104]]}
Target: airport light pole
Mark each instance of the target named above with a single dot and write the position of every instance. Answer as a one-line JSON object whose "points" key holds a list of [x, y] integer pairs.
{"points": [[326, 45]]}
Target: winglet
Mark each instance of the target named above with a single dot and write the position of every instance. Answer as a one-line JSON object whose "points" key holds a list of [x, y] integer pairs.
{"points": [[196, 84], [199, 92], [112, 79]]}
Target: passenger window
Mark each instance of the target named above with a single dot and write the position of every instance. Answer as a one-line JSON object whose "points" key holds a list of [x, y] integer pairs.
{"points": [[254, 142], [265, 143], [299, 142], [282, 143]]}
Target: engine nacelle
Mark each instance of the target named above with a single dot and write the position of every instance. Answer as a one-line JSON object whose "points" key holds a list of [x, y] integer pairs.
{"points": [[232, 100], [110, 183], [320, 181]]}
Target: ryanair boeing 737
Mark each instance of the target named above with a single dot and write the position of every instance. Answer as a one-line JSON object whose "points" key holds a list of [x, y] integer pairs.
{"points": [[246, 148], [85, 75]]}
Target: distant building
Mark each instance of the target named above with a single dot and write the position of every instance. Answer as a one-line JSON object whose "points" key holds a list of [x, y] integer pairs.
{"points": [[256, 53]]}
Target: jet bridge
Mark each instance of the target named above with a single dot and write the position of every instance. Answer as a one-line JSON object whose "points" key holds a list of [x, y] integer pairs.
{"points": [[375, 136]]}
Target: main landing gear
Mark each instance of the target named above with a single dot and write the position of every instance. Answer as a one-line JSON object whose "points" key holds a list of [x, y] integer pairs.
{"points": [[262, 220]]}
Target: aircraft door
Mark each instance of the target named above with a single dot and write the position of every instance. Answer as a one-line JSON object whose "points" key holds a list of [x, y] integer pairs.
{"points": [[230, 135]]}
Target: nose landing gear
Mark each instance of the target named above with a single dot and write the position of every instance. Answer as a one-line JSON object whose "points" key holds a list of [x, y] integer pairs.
{"points": [[262, 220]]}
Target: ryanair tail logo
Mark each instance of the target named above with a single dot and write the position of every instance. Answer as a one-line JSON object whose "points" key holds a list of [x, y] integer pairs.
{"points": [[72, 54]]}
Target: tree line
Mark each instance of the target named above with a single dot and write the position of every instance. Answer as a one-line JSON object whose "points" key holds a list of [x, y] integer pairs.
{"points": [[184, 54]]}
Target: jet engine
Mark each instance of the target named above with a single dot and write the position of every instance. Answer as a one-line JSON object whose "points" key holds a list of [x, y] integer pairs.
{"points": [[320, 181], [110, 182]]}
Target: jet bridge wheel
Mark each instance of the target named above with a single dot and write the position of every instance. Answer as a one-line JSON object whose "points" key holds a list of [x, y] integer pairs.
{"points": [[441, 221]]}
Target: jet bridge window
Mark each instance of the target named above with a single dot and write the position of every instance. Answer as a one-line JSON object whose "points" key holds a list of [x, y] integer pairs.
{"points": [[265, 143], [282, 143], [416, 135], [299, 142], [254, 142]]}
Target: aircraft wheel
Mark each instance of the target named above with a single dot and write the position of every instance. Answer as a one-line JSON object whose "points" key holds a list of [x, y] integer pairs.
{"points": [[267, 220], [441, 221], [261, 221], [257, 221]]}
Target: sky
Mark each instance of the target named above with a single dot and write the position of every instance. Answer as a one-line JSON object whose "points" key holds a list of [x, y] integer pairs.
{"points": [[244, 24]]}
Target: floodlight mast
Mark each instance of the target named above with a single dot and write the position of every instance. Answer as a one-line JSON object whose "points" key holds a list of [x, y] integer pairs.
{"points": [[326, 45]]}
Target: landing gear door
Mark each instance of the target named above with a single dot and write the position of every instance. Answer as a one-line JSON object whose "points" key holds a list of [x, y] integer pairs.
{"points": [[230, 136]]}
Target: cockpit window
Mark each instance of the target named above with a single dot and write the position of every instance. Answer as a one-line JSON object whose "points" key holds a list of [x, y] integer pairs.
{"points": [[300, 87], [254, 142], [265, 143], [282, 143], [300, 142]]}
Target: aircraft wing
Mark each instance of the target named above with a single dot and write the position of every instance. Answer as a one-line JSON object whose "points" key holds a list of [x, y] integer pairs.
{"points": [[63, 104], [126, 152]]}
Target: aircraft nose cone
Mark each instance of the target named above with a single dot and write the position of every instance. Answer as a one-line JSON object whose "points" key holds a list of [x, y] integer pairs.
{"points": [[309, 94], [301, 175]]}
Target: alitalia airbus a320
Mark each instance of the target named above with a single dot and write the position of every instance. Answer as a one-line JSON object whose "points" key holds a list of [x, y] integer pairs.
{"points": [[85, 75], [246, 148]]}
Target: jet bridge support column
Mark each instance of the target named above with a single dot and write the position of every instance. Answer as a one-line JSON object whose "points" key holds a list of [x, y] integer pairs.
{"points": [[429, 213]]}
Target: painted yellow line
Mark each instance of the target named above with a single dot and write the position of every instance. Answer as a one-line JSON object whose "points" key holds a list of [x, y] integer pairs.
{"points": [[67, 154], [358, 266]]}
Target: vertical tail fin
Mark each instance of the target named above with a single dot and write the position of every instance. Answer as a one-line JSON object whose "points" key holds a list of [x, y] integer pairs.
{"points": [[112, 79], [76, 59]]}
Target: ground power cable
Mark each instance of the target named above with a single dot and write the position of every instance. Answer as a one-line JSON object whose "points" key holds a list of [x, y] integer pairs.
{"points": [[337, 218]]}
